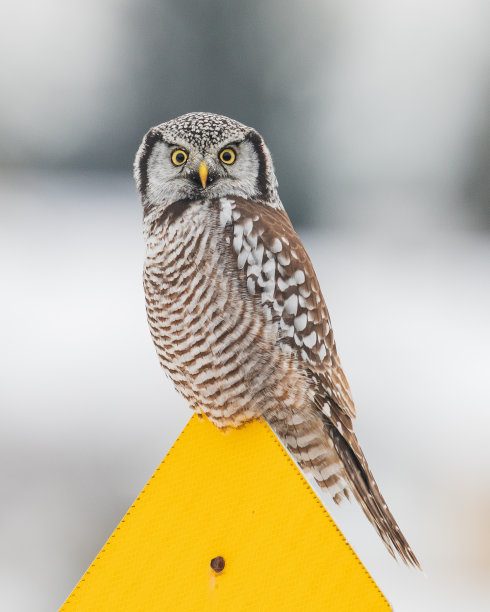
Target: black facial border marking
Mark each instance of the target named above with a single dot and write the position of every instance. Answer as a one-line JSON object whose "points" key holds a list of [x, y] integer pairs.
{"points": [[152, 137], [255, 139]]}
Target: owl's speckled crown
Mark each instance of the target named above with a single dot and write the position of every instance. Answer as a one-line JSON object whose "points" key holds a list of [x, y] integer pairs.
{"points": [[203, 129]]}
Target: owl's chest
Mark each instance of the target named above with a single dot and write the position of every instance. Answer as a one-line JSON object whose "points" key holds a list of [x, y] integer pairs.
{"points": [[184, 269]]}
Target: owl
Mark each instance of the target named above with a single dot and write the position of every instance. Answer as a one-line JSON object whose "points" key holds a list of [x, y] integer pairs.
{"points": [[235, 308]]}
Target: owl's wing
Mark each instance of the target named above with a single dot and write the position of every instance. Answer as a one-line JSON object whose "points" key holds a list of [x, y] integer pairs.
{"points": [[280, 274], [276, 270]]}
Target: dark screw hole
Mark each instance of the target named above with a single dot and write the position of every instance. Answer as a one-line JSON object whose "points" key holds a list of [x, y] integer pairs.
{"points": [[218, 564]]}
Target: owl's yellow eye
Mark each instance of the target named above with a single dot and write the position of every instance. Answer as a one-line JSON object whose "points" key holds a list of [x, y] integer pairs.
{"points": [[227, 156], [179, 157]]}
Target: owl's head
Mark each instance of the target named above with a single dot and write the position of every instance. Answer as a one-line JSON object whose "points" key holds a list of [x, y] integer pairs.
{"points": [[200, 156]]}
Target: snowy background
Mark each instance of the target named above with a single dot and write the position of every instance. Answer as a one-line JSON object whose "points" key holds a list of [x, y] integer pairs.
{"points": [[377, 117]]}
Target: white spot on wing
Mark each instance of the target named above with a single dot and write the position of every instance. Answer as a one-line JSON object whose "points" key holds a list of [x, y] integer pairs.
{"points": [[237, 244], [300, 322], [269, 267], [310, 340], [252, 240], [299, 276], [281, 284], [255, 270], [276, 246], [259, 254], [269, 289], [291, 304], [247, 227], [283, 259], [242, 259]]}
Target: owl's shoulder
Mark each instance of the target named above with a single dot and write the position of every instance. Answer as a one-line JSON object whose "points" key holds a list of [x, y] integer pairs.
{"points": [[265, 219]]}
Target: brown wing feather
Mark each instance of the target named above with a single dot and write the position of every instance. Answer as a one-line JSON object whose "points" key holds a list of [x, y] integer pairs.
{"points": [[313, 338]]}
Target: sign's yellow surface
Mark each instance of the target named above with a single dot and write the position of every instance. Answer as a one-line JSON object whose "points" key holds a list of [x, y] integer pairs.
{"points": [[235, 495]]}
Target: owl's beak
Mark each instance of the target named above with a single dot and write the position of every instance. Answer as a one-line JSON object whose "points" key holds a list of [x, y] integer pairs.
{"points": [[203, 173]]}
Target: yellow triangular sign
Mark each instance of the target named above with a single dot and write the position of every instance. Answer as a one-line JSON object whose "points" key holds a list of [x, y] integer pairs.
{"points": [[234, 501]]}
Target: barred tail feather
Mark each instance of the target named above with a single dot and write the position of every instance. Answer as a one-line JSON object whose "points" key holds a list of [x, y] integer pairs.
{"points": [[365, 490], [337, 463]]}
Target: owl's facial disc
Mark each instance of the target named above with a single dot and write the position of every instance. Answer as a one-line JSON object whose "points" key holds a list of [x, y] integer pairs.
{"points": [[179, 170], [202, 156]]}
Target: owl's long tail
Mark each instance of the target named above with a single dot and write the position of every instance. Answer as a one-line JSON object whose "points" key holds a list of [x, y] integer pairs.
{"points": [[331, 453]]}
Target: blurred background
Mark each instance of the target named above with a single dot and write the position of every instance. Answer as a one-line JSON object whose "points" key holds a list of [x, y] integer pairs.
{"points": [[377, 115]]}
